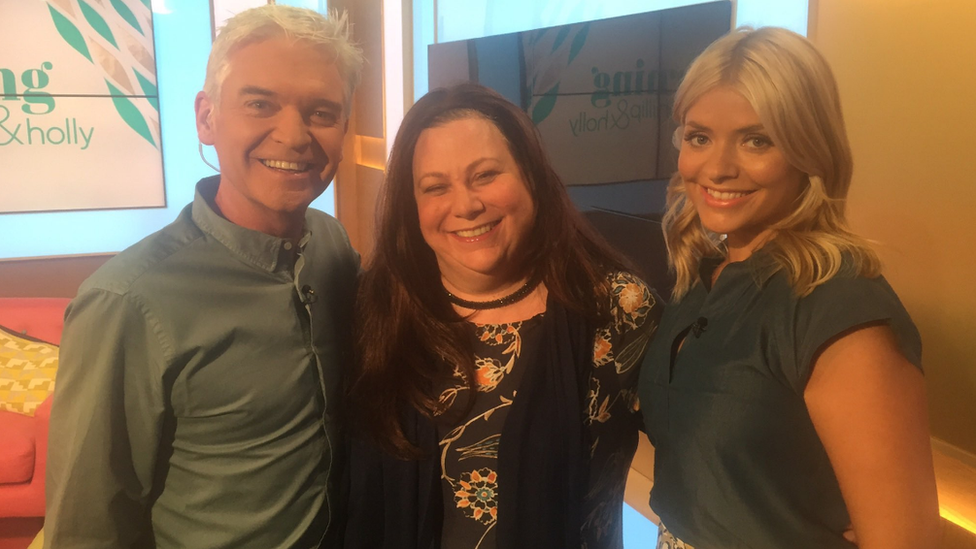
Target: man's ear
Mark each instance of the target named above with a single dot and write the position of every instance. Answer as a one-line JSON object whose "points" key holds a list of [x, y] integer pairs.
{"points": [[204, 109]]}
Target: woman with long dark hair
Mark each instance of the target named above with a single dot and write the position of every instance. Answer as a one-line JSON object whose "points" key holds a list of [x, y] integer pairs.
{"points": [[494, 402]]}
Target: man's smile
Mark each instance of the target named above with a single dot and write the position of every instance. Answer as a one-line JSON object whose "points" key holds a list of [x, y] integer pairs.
{"points": [[286, 165]]}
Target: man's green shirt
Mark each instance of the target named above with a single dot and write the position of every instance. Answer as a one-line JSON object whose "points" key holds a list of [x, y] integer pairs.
{"points": [[197, 388]]}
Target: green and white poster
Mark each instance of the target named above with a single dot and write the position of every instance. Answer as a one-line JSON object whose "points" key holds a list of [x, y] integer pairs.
{"points": [[79, 110]]}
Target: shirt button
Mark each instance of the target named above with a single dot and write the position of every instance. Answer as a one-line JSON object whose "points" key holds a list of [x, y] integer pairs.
{"points": [[288, 246]]}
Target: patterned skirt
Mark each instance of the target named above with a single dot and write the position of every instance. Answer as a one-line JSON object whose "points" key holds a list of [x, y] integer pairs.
{"points": [[666, 540]]}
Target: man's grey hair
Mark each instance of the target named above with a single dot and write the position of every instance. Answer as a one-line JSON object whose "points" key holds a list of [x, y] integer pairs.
{"points": [[273, 21]]}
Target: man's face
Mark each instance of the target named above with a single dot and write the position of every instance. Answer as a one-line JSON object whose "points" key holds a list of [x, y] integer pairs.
{"points": [[278, 131]]}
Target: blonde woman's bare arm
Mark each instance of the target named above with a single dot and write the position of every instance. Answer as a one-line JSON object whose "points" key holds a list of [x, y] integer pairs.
{"points": [[868, 405]]}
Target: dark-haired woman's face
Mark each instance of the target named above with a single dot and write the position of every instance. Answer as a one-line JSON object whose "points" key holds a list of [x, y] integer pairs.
{"points": [[474, 207]]}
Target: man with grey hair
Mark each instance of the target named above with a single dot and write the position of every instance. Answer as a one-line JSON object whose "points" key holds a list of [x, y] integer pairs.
{"points": [[200, 368]]}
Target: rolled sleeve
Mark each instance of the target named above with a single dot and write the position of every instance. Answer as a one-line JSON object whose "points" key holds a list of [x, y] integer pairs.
{"points": [[844, 304]]}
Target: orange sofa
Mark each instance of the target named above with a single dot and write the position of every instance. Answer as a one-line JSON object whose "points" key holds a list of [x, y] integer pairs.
{"points": [[23, 452]]}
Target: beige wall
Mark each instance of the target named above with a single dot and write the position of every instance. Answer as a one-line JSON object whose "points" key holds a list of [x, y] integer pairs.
{"points": [[907, 76], [361, 172]]}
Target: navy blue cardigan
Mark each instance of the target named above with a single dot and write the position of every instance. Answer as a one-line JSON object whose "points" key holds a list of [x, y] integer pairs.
{"points": [[543, 460]]}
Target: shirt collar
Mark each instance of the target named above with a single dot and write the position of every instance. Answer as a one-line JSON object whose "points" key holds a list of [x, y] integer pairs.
{"points": [[757, 265], [261, 250]]}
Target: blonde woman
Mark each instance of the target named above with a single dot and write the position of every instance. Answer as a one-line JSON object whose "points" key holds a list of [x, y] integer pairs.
{"points": [[783, 392]]}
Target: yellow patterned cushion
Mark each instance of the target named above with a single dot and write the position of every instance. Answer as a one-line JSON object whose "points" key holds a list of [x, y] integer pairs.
{"points": [[27, 369]]}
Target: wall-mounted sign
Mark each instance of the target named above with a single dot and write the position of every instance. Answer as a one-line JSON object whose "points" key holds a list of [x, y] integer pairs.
{"points": [[79, 107]]}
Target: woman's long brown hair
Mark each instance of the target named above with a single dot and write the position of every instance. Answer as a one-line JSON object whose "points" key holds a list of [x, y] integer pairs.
{"points": [[409, 338]]}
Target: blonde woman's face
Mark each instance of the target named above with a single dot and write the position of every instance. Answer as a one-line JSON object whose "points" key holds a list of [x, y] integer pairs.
{"points": [[737, 178]]}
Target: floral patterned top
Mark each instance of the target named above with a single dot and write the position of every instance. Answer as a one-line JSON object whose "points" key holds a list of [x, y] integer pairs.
{"points": [[469, 449]]}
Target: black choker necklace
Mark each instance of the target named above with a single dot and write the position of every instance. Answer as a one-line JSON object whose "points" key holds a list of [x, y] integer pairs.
{"points": [[515, 297]]}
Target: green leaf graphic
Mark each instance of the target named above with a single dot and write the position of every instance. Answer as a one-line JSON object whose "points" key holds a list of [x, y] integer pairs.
{"points": [[149, 89], [130, 114], [70, 33], [147, 3], [97, 23], [545, 105], [561, 37], [127, 14], [578, 41]]}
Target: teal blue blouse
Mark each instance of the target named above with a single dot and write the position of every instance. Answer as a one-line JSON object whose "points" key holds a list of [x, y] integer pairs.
{"points": [[738, 463]]}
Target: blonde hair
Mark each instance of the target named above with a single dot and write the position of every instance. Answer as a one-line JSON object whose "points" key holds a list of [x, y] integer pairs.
{"points": [[790, 86], [273, 21]]}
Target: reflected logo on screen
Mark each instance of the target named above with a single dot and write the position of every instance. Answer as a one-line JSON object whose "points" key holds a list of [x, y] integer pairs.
{"points": [[623, 99], [628, 82], [32, 130]]}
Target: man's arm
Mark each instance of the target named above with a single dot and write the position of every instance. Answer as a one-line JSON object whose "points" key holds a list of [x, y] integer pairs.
{"points": [[106, 421]]}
